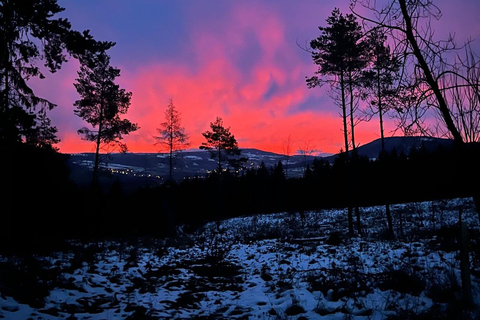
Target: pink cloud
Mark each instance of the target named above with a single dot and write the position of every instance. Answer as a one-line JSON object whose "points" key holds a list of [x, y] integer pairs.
{"points": [[260, 91], [217, 86]]}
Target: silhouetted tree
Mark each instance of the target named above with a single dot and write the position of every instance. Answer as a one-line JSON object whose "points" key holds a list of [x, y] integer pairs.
{"points": [[425, 60], [340, 53], [42, 134], [221, 143], [262, 172], [278, 173], [379, 81], [101, 104], [29, 33], [402, 18], [223, 146], [172, 134], [462, 94]]}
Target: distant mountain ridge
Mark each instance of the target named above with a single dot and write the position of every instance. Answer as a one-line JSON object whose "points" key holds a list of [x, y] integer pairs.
{"points": [[191, 163], [401, 145]]}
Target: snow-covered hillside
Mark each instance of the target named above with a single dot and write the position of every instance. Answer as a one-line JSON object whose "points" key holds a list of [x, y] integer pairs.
{"points": [[277, 266]]}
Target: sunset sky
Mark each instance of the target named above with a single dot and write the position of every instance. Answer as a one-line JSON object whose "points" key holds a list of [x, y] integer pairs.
{"points": [[239, 60]]}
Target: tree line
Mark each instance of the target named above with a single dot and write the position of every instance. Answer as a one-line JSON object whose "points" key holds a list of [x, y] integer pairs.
{"points": [[420, 175]]}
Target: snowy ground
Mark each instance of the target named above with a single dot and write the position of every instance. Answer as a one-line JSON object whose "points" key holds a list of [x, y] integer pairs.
{"points": [[279, 266]]}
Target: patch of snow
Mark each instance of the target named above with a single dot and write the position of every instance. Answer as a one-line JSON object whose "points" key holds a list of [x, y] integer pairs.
{"points": [[261, 267]]}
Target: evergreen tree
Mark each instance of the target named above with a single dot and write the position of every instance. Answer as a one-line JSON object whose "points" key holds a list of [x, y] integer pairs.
{"points": [[379, 80], [101, 104], [221, 143], [172, 134], [29, 33], [262, 172], [341, 53], [381, 77], [278, 173]]}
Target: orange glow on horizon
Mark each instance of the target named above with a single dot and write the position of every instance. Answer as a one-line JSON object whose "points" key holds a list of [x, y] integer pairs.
{"points": [[324, 137]]}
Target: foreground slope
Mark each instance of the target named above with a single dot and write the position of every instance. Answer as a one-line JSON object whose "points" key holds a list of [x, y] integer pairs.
{"points": [[278, 266]]}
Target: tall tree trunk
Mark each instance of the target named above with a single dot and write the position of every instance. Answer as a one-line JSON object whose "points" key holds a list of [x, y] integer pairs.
{"points": [[465, 262], [433, 84], [97, 148], [352, 120], [350, 220], [382, 139], [344, 111], [219, 159], [442, 104], [170, 164], [359, 222], [7, 203], [170, 173], [380, 110], [348, 180], [97, 157], [353, 175]]}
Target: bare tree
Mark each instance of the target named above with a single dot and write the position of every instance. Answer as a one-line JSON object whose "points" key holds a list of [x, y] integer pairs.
{"points": [[426, 67], [306, 149], [379, 82], [462, 93], [423, 58], [172, 135], [429, 70]]}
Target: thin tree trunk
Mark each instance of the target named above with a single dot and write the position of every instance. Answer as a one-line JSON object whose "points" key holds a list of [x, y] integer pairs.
{"points": [[9, 149], [350, 220], [171, 166], [380, 109], [389, 219], [465, 262], [98, 142], [219, 159], [7, 226], [359, 222], [352, 123], [476, 200], [344, 112], [382, 139], [97, 157], [347, 179], [170, 176], [353, 176], [442, 104]]}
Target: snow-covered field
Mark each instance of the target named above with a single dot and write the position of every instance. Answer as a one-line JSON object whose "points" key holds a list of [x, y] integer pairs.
{"points": [[278, 266]]}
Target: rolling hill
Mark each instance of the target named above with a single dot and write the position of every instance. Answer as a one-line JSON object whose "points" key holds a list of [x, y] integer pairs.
{"points": [[152, 168]]}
